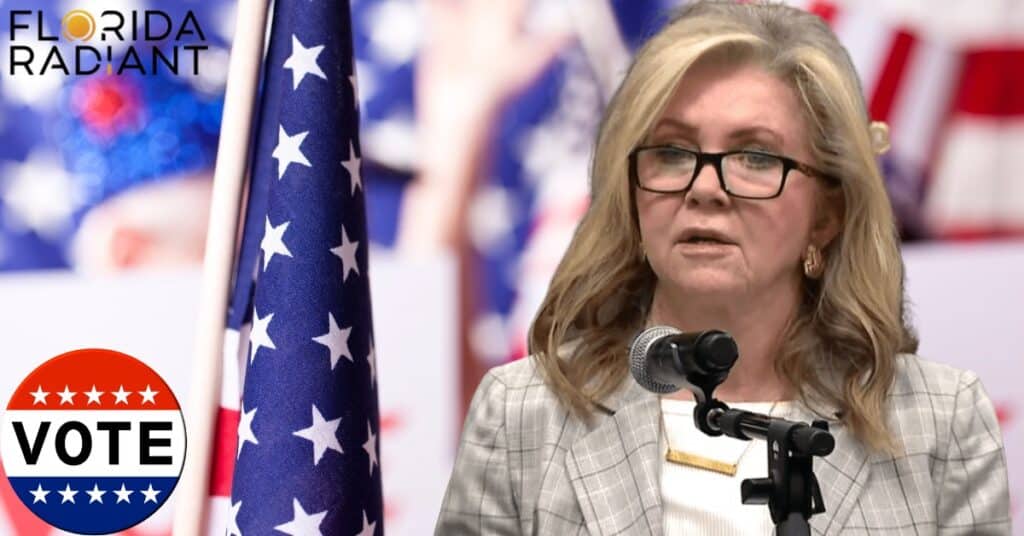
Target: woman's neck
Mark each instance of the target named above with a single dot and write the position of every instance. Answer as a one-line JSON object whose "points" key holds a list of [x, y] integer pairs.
{"points": [[755, 322]]}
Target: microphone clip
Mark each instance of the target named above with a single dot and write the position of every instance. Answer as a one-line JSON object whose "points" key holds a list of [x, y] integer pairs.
{"points": [[791, 490]]}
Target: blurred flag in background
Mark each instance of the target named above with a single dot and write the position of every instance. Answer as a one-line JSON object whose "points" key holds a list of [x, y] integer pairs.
{"points": [[107, 145], [947, 81]]}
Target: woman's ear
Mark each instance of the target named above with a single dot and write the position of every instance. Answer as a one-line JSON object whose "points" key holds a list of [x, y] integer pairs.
{"points": [[829, 218]]}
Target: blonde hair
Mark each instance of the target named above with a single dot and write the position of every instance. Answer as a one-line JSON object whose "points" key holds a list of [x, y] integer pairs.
{"points": [[842, 346]]}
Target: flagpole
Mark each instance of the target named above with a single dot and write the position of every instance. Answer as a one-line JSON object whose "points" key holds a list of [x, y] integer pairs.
{"points": [[228, 184]]}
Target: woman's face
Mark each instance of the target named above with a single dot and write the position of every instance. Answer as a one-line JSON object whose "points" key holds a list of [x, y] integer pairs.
{"points": [[718, 109]]}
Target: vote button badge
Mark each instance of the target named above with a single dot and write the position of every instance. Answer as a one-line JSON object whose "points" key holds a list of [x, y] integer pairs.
{"points": [[93, 441]]}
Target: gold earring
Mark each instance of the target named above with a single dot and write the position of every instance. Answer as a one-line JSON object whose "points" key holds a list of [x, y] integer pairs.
{"points": [[814, 263], [879, 132]]}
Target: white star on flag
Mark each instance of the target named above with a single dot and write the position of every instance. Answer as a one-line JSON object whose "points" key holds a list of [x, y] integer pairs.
{"points": [[302, 524], [259, 337], [352, 166], [273, 242], [371, 360], [120, 395], [94, 395], [39, 494], [347, 253], [368, 527], [40, 195], [67, 494], [336, 340], [148, 395], [323, 434], [95, 494], [122, 494], [288, 151], [150, 494], [355, 90], [39, 396], [245, 434], [303, 62], [67, 396], [395, 32], [371, 446], [232, 529]]}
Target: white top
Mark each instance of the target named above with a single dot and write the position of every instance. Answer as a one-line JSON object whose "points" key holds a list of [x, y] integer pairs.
{"points": [[700, 501]]}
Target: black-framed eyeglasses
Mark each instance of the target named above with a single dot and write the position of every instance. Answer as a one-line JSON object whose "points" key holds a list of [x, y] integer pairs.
{"points": [[747, 174]]}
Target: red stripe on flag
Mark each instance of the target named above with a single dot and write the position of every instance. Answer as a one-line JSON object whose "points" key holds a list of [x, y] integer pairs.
{"points": [[225, 441], [519, 350], [825, 10], [978, 232], [391, 420], [991, 82], [570, 211], [1004, 412], [892, 75]]}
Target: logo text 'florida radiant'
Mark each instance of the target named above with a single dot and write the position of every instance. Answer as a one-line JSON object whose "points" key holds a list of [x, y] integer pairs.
{"points": [[142, 41]]}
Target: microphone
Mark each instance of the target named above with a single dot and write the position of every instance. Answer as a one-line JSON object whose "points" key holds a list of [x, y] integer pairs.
{"points": [[663, 359]]}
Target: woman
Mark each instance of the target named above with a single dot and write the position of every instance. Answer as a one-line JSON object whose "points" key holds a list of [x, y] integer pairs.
{"points": [[735, 187]]}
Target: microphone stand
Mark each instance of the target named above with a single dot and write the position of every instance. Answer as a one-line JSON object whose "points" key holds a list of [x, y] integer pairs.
{"points": [[791, 490], [701, 362]]}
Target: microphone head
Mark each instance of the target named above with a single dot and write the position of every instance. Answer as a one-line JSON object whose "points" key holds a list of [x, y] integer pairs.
{"points": [[638, 362], [718, 350]]}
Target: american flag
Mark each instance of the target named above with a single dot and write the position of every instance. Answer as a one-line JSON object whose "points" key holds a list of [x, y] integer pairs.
{"points": [[300, 338]]}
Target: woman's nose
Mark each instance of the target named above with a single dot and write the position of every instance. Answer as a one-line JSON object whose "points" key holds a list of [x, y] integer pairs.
{"points": [[707, 187]]}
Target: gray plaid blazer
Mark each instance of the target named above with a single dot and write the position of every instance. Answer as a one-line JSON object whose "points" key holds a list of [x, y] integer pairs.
{"points": [[527, 466]]}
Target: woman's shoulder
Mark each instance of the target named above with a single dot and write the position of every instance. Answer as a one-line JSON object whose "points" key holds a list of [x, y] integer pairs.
{"points": [[518, 387], [514, 397], [519, 374], [934, 406], [919, 377]]}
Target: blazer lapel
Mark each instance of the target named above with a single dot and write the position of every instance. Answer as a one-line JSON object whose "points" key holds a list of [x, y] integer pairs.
{"points": [[615, 470], [842, 476]]}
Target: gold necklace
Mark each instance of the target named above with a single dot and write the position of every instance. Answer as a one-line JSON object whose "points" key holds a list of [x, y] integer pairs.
{"points": [[690, 459]]}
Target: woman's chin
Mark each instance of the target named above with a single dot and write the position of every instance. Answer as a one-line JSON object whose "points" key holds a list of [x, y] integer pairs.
{"points": [[710, 284]]}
